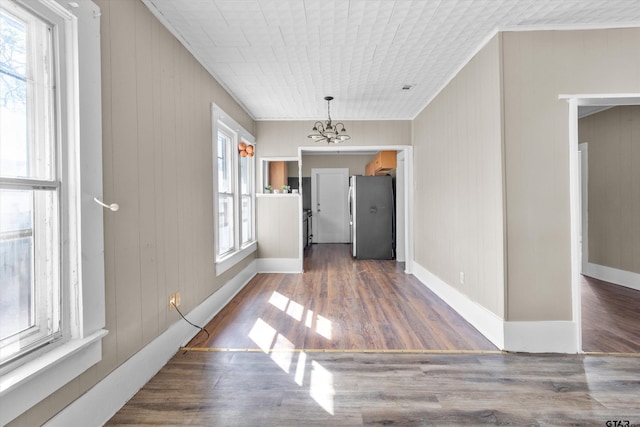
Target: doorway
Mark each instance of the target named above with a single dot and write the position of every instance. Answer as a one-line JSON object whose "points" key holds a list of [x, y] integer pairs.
{"points": [[404, 185], [329, 205], [596, 297]]}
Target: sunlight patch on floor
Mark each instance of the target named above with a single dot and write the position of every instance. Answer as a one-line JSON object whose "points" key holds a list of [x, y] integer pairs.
{"points": [[262, 334], [279, 301], [300, 368], [321, 388], [309, 320], [282, 351], [323, 326], [282, 357], [295, 310]]}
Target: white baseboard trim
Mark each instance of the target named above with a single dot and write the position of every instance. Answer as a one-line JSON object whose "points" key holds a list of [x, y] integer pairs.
{"points": [[530, 337], [541, 337], [613, 275], [486, 322], [279, 265], [101, 402]]}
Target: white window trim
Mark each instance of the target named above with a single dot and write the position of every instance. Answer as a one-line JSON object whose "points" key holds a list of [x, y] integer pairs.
{"points": [[228, 260], [77, 33]]}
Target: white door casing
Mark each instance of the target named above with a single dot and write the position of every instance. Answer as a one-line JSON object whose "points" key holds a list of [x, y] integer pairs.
{"points": [[583, 171], [400, 202]]}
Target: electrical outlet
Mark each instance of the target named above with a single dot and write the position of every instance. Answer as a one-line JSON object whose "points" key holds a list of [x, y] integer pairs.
{"points": [[462, 277], [174, 301]]}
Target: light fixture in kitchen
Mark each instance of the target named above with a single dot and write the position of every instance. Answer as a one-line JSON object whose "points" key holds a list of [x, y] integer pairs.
{"points": [[328, 132]]}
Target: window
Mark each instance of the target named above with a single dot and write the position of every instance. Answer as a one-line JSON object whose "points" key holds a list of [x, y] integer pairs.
{"points": [[225, 193], [247, 165], [52, 310], [235, 165], [29, 187]]}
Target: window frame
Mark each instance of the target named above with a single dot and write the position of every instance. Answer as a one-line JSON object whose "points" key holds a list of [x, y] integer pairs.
{"points": [[231, 190], [48, 316], [251, 195], [78, 118], [222, 123]]}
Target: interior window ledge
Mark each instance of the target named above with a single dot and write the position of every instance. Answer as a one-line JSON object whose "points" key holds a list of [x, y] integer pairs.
{"points": [[26, 385], [277, 194], [230, 260]]}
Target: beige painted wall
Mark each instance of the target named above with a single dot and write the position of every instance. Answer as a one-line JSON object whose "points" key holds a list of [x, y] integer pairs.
{"points": [[282, 138], [355, 163], [538, 66], [158, 166], [278, 226], [614, 186], [458, 200]]}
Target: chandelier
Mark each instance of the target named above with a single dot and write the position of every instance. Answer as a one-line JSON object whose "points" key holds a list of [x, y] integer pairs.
{"points": [[327, 132]]}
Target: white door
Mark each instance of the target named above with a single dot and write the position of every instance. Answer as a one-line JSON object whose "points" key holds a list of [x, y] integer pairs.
{"points": [[329, 204]]}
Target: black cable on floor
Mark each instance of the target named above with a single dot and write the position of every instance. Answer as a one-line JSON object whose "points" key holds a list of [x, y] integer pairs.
{"points": [[192, 324]]}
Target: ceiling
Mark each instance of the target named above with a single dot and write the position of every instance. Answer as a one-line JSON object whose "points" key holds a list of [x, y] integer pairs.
{"points": [[280, 58]]}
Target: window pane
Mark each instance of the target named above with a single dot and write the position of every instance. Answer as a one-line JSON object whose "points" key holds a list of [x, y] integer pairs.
{"points": [[25, 99], [16, 262], [224, 163], [246, 220], [225, 224], [245, 174], [29, 269]]}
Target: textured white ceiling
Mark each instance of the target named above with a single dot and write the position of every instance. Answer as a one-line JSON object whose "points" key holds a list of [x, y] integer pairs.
{"points": [[280, 58]]}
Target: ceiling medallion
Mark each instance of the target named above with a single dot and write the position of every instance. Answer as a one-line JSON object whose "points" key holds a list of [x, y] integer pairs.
{"points": [[327, 132]]}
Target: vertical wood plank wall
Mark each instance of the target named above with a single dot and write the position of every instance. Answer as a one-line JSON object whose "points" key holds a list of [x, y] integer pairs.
{"points": [[459, 222], [279, 230], [355, 163], [157, 161], [539, 66], [282, 138], [613, 136]]}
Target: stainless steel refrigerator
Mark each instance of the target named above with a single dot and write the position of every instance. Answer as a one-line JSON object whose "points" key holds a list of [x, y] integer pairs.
{"points": [[372, 217]]}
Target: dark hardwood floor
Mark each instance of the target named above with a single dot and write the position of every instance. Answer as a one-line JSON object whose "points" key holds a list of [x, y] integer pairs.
{"points": [[610, 317], [383, 389], [333, 347], [340, 303]]}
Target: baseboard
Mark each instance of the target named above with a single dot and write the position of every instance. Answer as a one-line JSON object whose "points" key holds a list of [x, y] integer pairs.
{"points": [[486, 322], [541, 337], [279, 265], [101, 402], [530, 337], [613, 275]]}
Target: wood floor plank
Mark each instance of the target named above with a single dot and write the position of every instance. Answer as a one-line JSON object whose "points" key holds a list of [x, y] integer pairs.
{"points": [[327, 389], [610, 316], [342, 303], [344, 307]]}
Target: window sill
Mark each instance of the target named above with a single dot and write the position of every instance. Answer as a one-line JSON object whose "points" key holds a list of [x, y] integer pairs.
{"points": [[230, 260], [28, 384], [277, 194]]}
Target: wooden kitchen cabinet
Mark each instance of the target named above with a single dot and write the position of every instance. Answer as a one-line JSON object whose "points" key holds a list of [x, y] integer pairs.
{"points": [[278, 175], [382, 163], [368, 170]]}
